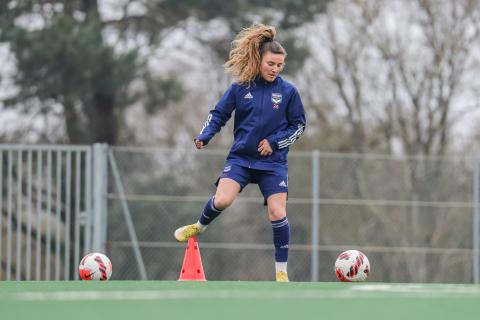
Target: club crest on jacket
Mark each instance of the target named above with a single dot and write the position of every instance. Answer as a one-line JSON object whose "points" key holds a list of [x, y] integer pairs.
{"points": [[276, 98]]}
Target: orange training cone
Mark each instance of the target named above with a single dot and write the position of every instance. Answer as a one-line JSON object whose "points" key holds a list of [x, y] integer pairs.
{"points": [[192, 268]]}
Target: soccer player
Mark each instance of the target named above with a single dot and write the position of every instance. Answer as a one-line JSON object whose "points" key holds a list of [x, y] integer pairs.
{"points": [[269, 118]]}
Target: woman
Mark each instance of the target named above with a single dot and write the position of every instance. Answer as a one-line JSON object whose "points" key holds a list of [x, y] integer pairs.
{"points": [[269, 117]]}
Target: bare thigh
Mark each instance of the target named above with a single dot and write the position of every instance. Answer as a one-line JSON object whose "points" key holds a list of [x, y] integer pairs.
{"points": [[227, 191]]}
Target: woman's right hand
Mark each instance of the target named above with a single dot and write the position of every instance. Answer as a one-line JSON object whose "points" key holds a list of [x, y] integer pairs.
{"points": [[199, 144]]}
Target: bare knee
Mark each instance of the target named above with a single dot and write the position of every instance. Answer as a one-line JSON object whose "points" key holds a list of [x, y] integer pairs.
{"points": [[277, 206], [276, 213], [223, 201]]}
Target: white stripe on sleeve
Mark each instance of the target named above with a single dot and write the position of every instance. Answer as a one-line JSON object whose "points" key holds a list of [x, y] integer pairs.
{"points": [[207, 123], [290, 140]]}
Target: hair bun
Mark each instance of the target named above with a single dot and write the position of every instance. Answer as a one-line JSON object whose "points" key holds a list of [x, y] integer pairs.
{"points": [[270, 33]]}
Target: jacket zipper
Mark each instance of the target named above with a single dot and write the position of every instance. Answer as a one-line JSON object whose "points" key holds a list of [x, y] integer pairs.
{"points": [[261, 110]]}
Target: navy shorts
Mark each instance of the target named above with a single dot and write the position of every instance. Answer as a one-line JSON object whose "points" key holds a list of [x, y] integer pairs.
{"points": [[269, 181]]}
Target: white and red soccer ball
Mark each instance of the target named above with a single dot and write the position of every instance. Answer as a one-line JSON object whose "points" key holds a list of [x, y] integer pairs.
{"points": [[95, 266], [352, 266]]}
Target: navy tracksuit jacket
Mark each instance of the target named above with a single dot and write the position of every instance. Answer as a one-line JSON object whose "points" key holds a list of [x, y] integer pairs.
{"points": [[263, 110]]}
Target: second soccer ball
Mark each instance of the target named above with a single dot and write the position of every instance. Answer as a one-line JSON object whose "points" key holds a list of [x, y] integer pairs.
{"points": [[352, 266]]}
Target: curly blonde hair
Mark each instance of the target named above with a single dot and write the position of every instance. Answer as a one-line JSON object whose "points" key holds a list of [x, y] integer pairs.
{"points": [[247, 50]]}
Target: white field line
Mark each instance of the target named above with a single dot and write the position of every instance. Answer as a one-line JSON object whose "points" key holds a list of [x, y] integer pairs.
{"points": [[366, 291], [432, 289]]}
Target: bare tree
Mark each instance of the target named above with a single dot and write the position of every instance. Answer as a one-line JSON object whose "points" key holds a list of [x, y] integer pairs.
{"points": [[400, 70]]}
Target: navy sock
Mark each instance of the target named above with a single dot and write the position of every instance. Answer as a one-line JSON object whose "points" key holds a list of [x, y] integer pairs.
{"points": [[209, 212], [281, 239]]}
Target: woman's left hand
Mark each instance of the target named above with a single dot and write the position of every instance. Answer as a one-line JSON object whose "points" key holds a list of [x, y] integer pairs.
{"points": [[264, 148]]}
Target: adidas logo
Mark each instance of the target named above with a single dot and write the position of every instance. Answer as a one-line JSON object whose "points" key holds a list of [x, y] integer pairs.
{"points": [[248, 96], [282, 184], [284, 247]]}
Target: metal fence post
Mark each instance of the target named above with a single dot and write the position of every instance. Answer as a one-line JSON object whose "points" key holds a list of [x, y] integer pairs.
{"points": [[476, 220], [1, 210], [99, 197], [9, 214], [315, 213]]}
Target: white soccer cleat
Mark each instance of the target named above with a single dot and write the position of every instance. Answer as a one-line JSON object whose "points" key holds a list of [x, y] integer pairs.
{"points": [[186, 232]]}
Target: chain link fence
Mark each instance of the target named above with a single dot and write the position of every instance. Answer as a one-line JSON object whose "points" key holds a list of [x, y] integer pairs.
{"points": [[412, 216]]}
